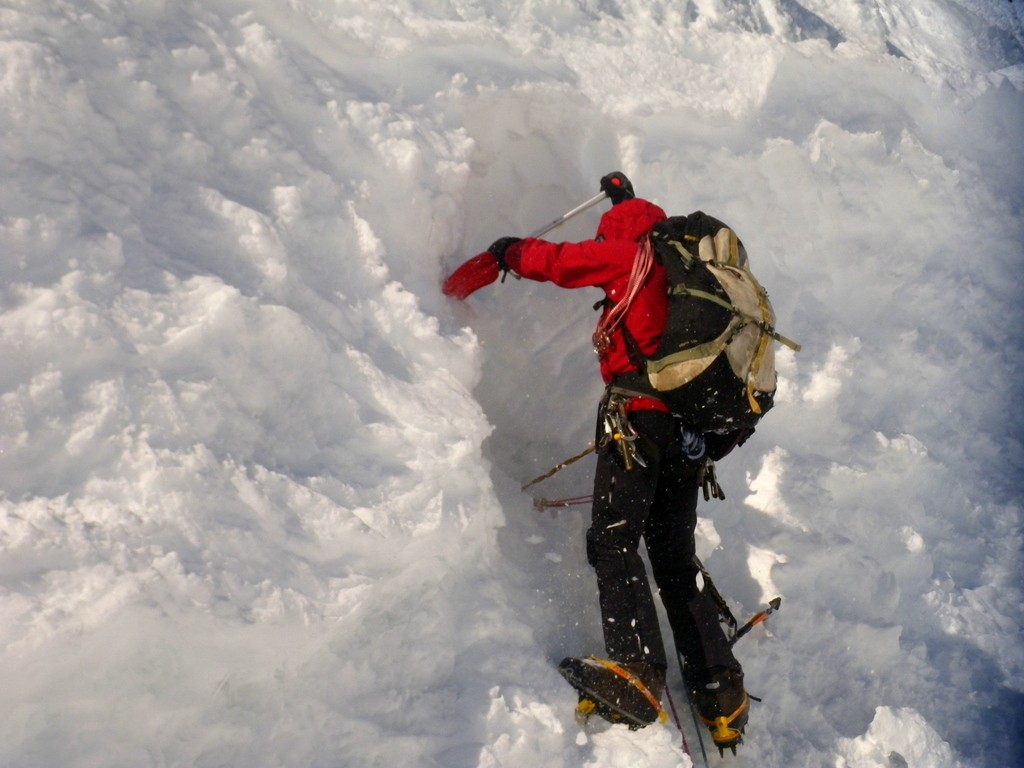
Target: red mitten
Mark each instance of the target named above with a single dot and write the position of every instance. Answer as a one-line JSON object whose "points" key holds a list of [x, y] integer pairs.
{"points": [[479, 271]]}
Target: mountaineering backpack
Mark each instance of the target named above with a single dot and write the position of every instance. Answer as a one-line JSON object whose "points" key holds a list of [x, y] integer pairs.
{"points": [[715, 363]]}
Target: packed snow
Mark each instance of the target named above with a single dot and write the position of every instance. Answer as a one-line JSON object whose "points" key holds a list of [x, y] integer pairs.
{"points": [[260, 481]]}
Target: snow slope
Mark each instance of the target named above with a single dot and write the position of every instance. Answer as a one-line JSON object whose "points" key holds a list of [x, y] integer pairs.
{"points": [[259, 480]]}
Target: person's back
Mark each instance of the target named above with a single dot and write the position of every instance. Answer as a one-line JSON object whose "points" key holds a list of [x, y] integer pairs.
{"points": [[605, 262]]}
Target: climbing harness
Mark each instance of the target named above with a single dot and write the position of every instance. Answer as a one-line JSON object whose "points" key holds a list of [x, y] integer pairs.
{"points": [[619, 431]]}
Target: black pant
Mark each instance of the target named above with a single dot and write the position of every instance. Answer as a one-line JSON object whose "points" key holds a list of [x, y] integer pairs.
{"points": [[658, 502]]}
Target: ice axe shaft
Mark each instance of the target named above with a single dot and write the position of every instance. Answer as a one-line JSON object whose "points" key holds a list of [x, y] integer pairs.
{"points": [[569, 214]]}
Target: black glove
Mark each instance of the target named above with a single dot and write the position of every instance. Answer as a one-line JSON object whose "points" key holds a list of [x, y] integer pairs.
{"points": [[617, 187], [497, 250]]}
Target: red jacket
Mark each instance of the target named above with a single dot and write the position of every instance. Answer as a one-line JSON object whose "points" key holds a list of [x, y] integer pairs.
{"points": [[605, 262]]}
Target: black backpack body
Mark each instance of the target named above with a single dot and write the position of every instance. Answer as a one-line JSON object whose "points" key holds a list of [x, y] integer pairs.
{"points": [[715, 363]]}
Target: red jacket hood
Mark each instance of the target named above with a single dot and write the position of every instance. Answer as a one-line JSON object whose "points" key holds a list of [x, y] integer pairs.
{"points": [[629, 220]]}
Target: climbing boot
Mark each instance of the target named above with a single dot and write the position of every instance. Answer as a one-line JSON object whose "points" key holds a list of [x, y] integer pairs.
{"points": [[620, 693], [722, 705]]}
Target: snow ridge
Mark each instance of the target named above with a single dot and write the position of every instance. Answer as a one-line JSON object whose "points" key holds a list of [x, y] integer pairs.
{"points": [[259, 480]]}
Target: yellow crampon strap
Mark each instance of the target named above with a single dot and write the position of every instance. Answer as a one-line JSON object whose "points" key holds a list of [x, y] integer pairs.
{"points": [[635, 682], [722, 731]]}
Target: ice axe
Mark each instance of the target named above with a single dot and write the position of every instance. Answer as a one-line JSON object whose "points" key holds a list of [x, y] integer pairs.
{"points": [[483, 270], [757, 618]]}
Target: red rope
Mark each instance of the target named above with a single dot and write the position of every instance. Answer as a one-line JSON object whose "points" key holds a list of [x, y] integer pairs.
{"points": [[679, 725], [641, 269]]}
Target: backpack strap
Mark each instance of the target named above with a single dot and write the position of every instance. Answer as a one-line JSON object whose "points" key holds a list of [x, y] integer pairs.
{"points": [[682, 290], [708, 349], [633, 352], [740, 320]]}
